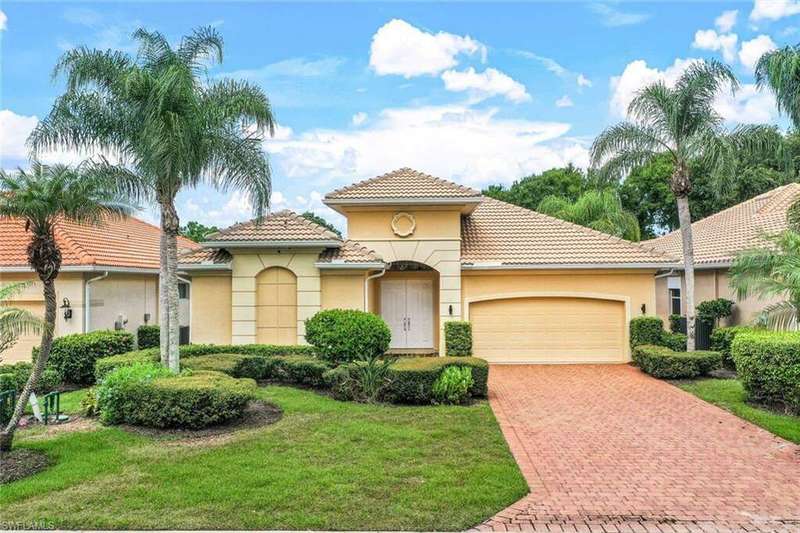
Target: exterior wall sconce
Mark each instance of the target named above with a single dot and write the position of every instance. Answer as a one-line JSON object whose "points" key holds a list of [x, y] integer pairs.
{"points": [[450, 309], [644, 309], [65, 305]]}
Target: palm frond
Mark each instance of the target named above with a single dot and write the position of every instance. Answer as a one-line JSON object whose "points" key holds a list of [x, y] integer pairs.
{"points": [[779, 71], [205, 42], [779, 316]]}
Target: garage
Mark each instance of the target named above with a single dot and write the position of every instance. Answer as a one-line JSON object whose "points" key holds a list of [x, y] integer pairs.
{"points": [[549, 330]]}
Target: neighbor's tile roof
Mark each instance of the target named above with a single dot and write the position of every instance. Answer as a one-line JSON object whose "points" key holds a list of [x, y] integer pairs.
{"points": [[118, 242], [719, 237], [205, 256], [402, 183], [281, 226], [350, 252], [505, 234]]}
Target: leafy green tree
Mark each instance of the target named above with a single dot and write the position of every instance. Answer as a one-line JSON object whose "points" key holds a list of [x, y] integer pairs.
{"points": [[172, 128], [315, 218], [41, 197], [599, 210], [197, 232], [681, 122], [568, 183], [772, 271], [14, 321], [646, 194]]}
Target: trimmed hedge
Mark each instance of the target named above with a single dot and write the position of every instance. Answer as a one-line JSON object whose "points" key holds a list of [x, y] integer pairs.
{"points": [[144, 395], [661, 362], [14, 376], [646, 330], [411, 379], [105, 366], [74, 356], [297, 369], [768, 364], [148, 337], [721, 340], [674, 341], [458, 338], [346, 335]]}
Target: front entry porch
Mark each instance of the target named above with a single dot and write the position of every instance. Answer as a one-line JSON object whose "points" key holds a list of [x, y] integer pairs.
{"points": [[408, 297]]}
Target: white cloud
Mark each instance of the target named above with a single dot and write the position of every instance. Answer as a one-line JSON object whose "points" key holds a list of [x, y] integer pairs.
{"points": [[400, 48], [774, 9], [717, 42], [726, 21], [565, 101], [490, 82], [3, 20], [613, 17], [452, 141], [295, 67], [359, 118], [753, 49], [547, 62], [749, 105], [583, 81]]}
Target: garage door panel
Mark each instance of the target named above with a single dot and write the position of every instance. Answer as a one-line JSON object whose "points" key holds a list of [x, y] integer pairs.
{"points": [[553, 330]]}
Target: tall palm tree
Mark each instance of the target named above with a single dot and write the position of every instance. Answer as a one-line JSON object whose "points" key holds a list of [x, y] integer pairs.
{"points": [[681, 121], [170, 127], [14, 321], [41, 197], [772, 271], [600, 210]]}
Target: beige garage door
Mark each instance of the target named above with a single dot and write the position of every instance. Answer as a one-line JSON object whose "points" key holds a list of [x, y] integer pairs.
{"points": [[549, 330]]}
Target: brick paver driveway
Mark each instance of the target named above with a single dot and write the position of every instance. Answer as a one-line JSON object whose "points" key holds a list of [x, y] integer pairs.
{"points": [[607, 448]]}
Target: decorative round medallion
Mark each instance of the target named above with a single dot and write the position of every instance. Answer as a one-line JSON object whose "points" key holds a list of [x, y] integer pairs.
{"points": [[403, 224]]}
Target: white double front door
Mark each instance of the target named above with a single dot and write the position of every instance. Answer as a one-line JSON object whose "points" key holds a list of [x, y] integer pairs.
{"points": [[407, 307]]}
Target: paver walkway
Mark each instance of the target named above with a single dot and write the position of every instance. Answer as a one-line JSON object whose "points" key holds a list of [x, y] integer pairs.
{"points": [[607, 448]]}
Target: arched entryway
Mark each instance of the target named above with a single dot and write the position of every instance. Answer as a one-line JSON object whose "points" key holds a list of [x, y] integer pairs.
{"points": [[276, 306]]}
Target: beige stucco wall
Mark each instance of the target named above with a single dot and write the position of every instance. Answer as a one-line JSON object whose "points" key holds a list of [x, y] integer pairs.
{"points": [[211, 308], [343, 289], [123, 294]]}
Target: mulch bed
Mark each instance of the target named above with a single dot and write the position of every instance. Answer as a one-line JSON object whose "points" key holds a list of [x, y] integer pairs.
{"points": [[257, 414], [20, 463]]}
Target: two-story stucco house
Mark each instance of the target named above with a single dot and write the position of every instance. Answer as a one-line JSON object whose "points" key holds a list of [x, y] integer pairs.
{"points": [[422, 251]]}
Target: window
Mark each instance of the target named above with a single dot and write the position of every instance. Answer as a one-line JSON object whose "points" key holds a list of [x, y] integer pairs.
{"points": [[675, 301], [183, 291]]}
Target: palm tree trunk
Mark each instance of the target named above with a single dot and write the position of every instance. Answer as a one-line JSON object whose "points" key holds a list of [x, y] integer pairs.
{"points": [[685, 220], [170, 227], [163, 302], [7, 435]]}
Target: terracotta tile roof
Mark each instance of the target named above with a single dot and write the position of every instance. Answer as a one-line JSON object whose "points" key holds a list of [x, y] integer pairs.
{"points": [[402, 183], [498, 233], [205, 256], [281, 226], [719, 237], [123, 243], [350, 252]]}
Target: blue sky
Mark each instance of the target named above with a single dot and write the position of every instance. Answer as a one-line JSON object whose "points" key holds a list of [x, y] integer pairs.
{"points": [[477, 93]]}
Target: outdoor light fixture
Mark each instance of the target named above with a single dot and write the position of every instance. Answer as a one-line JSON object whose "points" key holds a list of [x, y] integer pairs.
{"points": [[644, 309], [450, 309], [67, 309]]}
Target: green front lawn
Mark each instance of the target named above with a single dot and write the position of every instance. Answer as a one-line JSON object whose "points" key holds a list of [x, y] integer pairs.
{"points": [[729, 394], [325, 465]]}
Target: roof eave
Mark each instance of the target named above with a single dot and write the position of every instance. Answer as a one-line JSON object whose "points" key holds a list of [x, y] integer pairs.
{"points": [[469, 202], [204, 266], [564, 266], [274, 244], [87, 268], [322, 265]]}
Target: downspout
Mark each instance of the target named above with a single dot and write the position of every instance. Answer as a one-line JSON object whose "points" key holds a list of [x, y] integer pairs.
{"points": [[366, 287], [189, 283], [666, 274], [87, 304]]}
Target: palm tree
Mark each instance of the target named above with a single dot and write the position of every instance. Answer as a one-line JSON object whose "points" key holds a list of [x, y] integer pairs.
{"points": [[772, 271], [681, 121], [13, 321], [600, 210], [170, 127], [41, 197]]}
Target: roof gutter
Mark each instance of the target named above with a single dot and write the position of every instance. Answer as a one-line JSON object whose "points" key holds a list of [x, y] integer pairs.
{"points": [[345, 266], [274, 244], [87, 268], [366, 287], [564, 266]]}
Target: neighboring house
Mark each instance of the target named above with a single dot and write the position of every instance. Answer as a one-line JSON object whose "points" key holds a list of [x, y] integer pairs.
{"points": [[422, 251], [717, 240], [114, 266]]}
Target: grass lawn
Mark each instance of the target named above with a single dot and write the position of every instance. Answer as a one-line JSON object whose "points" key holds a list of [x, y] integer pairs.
{"points": [[729, 394], [325, 465]]}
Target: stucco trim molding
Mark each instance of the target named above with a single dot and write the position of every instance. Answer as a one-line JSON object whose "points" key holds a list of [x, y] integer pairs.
{"points": [[566, 266], [273, 244], [349, 266]]}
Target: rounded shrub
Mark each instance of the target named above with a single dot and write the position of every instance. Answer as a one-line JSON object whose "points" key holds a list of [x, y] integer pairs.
{"points": [[147, 394], [768, 363], [453, 385], [74, 356], [722, 338], [148, 337], [14, 377], [346, 335], [458, 338], [646, 330], [661, 362]]}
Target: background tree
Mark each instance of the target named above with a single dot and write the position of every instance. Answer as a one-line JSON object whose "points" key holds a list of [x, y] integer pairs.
{"points": [[14, 321], [681, 122], [313, 217], [171, 128], [41, 197], [599, 210], [568, 183], [196, 231]]}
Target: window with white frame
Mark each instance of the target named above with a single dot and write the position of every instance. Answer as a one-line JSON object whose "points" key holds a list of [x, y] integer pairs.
{"points": [[674, 285]]}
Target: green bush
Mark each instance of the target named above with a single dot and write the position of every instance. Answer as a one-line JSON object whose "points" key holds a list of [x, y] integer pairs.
{"points": [[296, 369], [346, 335], [646, 330], [108, 364], [74, 356], [14, 376], [674, 341], [458, 338], [661, 362], [89, 403], [675, 323], [721, 340], [148, 337], [768, 364], [711, 311], [453, 385], [411, 379], [147, 394]]}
